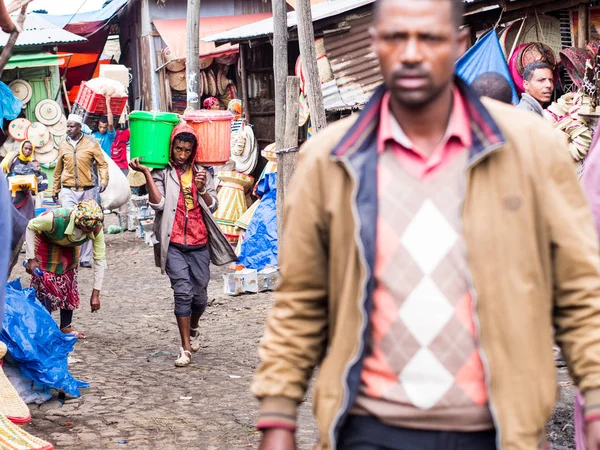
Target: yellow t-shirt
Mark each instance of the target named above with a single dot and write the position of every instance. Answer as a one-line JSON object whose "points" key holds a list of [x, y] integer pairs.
{"points": [[187, 182]]}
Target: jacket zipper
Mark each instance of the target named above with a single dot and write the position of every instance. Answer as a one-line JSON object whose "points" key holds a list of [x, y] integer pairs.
{"points": [[484, 361], [185, 226], [361, 252], [75, 167]]}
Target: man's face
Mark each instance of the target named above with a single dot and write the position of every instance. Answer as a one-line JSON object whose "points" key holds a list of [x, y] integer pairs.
{"points": [[73, 129], [102, 127], [182, 151], [541, 85], [417, 44]]}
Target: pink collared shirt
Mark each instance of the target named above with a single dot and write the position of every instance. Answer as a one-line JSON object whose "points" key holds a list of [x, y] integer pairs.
{"points": [[456, 140]]}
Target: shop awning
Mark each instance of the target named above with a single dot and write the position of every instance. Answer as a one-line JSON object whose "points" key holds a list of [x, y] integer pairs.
{"points": [[24, 60], [173, 32]]}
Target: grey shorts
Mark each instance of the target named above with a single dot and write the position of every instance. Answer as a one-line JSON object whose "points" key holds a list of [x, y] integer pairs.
{"points": [[189, 272]]}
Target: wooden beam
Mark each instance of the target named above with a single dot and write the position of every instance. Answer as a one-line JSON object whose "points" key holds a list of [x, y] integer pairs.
{"points": [[244, 83], [12, 40], [308, 53], [583, 25], [287, 158], [192, 63], [280, 67]]}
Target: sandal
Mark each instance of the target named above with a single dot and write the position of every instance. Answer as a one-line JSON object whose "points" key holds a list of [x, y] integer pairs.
{"points": [[185, 358], [70, 330], [195, 340]]}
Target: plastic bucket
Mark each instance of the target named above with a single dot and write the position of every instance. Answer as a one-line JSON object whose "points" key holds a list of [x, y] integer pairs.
{"points": [[214, 134], [150, 138]]}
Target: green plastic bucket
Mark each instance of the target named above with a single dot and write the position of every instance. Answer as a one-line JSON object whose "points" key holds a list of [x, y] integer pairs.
{"points": [[150, 137]]}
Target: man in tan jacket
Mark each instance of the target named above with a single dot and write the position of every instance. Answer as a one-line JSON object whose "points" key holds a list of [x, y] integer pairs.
{"points": [[435, 248], [73, 176]]}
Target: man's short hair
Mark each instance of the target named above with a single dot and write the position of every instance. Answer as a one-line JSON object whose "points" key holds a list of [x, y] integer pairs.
{"points": [[458, 10], [493, 85], [103, 119], [532, 67]]}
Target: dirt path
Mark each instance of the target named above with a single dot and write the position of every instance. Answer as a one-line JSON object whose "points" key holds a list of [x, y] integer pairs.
{"points": [[138, 399]]}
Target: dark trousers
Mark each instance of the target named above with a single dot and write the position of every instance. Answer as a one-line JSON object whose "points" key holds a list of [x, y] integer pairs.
{"points": [[189, 272], [368, 433]]}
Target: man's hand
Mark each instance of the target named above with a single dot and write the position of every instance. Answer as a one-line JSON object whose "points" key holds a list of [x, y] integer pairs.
{"points": [[102, 187], [56, 199], [95, 300], [278, 439], [200, 180], [32, 264], [135, 164]]}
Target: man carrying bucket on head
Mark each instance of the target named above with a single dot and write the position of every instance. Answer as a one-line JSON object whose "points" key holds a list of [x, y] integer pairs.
{"points": [[184, 197]]}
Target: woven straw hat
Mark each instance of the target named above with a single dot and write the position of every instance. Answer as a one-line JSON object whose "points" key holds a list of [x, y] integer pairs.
{"points": [[48, 112], [58, 140], [13, 436], [18, 129], [47, 158], [22, 90], [136, 179], [205, 63], [211, 83], [46, 148], [38, 134], [11, 404], [59, 128], [178, 80]]}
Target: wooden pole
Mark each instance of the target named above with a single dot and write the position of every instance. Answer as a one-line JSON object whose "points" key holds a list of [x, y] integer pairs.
{"points": [[12, 40], [306, 38], [192, 65], [244, 83], [287, 158], [280, 67], [583, 25]]}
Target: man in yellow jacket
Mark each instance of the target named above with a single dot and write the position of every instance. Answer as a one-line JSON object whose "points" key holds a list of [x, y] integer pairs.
{"points": [[435, 247]]}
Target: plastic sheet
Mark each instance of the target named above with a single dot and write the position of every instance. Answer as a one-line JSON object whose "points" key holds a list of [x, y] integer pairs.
{"points": [[117, 192], [35, 342], [485, 56], [259, 248], [10, 106]]}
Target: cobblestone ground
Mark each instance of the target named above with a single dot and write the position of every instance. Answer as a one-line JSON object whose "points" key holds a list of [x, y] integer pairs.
{"points": [[138, 399]]}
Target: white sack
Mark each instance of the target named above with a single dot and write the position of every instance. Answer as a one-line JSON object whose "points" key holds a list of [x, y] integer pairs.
{"points": [[118, 191]]}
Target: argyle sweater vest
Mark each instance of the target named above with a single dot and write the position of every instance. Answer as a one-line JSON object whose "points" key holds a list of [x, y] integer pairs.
{"points": [[423, 368]]}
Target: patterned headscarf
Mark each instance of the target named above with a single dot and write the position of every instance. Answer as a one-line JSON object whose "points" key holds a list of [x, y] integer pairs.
{"points": [[235, 108], [88, 214], [210, 102]]}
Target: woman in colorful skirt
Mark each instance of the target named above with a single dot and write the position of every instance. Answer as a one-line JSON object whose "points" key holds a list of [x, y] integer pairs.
{"points": [[53, 241], [184, 197]]}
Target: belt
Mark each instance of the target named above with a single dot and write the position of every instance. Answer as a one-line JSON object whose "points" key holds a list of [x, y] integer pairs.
{"points": [[85, 188]]}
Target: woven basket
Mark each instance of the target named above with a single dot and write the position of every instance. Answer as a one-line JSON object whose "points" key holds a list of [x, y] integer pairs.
{"points": [[14, 437], [535, 51], [573, 59], [11, 405]]}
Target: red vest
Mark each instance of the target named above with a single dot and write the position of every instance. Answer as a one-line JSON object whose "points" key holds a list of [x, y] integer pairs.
{"points": [[189, 228]]}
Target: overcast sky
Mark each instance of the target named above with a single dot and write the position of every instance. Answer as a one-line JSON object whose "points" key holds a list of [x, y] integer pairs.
{"points": [[65, 6]]}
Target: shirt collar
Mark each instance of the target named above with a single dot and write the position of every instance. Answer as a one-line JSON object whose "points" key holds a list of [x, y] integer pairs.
{"points": [[73, 141], [458, 126]]}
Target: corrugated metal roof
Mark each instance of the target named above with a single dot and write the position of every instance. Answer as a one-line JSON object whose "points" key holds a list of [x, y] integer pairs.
{"points": [[265, 27], [354, 64], [37, 31]]}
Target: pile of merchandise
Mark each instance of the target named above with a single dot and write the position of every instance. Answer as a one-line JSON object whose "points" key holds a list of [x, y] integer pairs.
{"points": [[566, 116]]}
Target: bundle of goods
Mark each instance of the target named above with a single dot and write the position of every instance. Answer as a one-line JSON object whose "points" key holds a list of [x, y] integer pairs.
{"points": [[47, 134], [232, 202], [90, 103], [139, 216], [566, 117]]}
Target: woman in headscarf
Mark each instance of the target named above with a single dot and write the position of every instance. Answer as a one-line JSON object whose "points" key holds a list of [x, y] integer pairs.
{"points": [[184, 197], [53, 241], [22, 163], [211, 103]]}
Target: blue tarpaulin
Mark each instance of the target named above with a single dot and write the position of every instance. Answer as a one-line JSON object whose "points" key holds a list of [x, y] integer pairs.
{"points": [[35, 342], [485, 56], [259, 248], [10, 106]]}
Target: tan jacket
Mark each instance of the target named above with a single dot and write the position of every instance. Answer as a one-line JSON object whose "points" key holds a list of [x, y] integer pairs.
{"points": [[74, 167], [533, 257]]}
